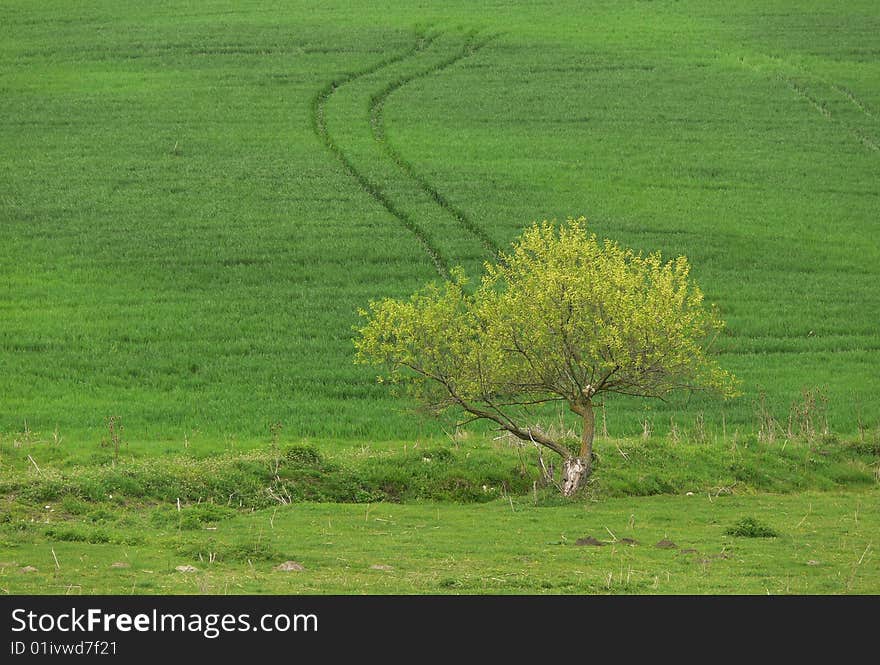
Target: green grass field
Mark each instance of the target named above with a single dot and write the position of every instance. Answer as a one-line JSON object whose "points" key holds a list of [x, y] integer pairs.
{"points": [[196, 198], [469, 517], [181, 246], [394, 519], [826, 545]]}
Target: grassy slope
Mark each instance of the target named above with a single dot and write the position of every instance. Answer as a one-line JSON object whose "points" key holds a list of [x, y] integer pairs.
{"points": [[180, 247], [505, 533], [471, 470]]}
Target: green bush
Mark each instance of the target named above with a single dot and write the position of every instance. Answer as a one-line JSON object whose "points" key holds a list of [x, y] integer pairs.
{"points": [[225, 552], [74, 506], [438, 454], [190, 517], [303, 455], [749, 527], [74, 535]]}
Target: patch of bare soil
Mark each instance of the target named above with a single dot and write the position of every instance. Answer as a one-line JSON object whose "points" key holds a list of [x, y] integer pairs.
{"points": [[289, 566]]}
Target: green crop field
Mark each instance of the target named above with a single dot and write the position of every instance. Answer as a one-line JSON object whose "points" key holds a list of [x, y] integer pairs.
{"points": [[197, 197]]}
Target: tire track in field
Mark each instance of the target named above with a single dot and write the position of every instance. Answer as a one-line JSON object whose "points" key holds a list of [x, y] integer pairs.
{"points": [[822, 108], [859, 104], [319, 123], [762, 65], [377, 127]]}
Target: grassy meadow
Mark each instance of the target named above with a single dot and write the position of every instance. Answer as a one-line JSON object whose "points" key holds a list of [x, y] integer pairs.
{"points": [[197, 197], [659, 517], [825, 545]]}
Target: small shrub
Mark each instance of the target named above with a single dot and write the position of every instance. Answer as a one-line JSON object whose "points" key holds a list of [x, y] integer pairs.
{"points": [[71, 535], [303, 455], [865, 447], [190, 517], [42, 490], [749, 527], [438, 455], [222, 552], [75, 506], [253, 551]]}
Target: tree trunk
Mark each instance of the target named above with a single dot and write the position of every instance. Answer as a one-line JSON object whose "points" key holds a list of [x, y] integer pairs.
{"points": [[588, 432], [576, 470]]}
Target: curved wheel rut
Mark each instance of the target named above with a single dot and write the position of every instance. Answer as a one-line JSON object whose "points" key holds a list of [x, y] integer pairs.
{"points": [[377, 126], [319, 122], [388, 193], [808, 86]]}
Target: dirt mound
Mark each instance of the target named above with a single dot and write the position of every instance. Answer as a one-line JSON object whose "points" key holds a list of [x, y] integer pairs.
{"points": [[289, 566], [589, 540]]}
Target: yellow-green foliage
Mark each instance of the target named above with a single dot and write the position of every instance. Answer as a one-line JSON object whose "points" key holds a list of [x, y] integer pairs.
{"points": [[563, 316]]}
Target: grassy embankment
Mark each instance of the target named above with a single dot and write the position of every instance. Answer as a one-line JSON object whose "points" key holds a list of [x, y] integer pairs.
{"points": [[475, 518]]}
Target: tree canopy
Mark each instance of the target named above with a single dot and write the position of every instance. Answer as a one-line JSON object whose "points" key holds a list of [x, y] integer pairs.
{"points": [[562, 317]]}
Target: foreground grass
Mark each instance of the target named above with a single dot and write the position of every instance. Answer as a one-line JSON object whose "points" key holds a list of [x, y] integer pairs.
{"points": [[469, 517], [825, 543]]}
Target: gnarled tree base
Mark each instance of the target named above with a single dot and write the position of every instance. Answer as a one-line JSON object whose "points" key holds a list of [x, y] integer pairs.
{"points": [[575, 471]]}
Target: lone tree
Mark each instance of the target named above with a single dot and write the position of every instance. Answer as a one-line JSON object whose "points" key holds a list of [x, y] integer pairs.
{"points": [[563, 317]]}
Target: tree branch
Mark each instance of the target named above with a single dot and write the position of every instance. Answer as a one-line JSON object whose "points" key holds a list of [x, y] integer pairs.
{"points": [[506, 423]]}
